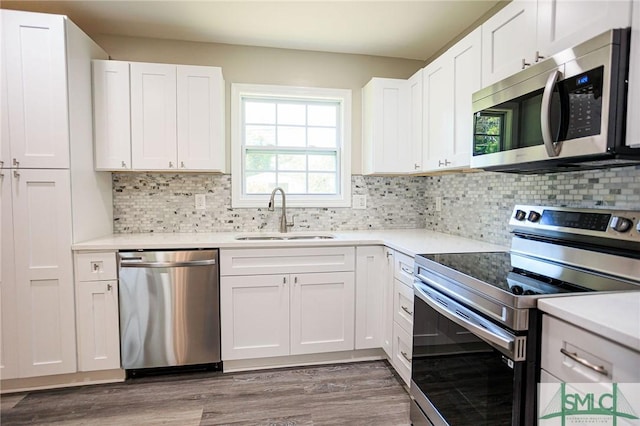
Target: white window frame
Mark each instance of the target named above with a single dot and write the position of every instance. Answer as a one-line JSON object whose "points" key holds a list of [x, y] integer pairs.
{"points": [[342, 96]]}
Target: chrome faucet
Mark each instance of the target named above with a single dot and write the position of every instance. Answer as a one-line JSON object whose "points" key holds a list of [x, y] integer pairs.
{"points": [[283, 218]]}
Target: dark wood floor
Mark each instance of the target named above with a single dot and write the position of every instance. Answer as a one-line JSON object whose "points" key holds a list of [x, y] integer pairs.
{"points": [[364, 393]]}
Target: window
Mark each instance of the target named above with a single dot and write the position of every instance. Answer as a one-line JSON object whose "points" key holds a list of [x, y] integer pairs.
{"points": [[293, 138], [490, 132]]}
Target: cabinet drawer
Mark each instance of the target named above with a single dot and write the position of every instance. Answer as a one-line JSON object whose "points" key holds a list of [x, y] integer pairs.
{"points": [[402, 351], [403, 306], [585, 353], [403, 268], [96, 266], [286, 260]]}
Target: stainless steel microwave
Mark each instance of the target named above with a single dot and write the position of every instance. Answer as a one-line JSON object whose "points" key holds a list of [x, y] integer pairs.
{"points": [[567, 112]]}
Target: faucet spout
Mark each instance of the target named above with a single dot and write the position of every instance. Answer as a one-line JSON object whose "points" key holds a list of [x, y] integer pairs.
{"points": [[272, 204]]}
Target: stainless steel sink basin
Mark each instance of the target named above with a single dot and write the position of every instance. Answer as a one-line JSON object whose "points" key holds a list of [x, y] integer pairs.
{"points": [[284, 237]]}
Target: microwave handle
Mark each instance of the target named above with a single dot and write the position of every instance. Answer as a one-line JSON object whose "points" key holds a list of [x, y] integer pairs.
{"points": [[553, 148]]}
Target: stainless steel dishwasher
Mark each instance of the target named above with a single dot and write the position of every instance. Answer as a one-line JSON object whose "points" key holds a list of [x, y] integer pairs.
{"points": [[169, 308]]}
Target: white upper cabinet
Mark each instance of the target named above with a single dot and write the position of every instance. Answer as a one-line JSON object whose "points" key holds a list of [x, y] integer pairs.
{"points": [[508, 37], [153, 116], [415, 118], [111, 115], [36, 72], [633, 108], [200, 118], [385, 148], [563, 24], [437, 112], [527, 31], [158, 117], [448, 84]]}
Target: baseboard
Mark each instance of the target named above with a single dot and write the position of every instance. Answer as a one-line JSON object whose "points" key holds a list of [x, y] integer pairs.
{"points": [[61, 381], [302, 360]]}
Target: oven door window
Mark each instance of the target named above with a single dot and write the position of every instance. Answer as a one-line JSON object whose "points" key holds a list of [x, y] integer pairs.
{"points": [[465, 379]]}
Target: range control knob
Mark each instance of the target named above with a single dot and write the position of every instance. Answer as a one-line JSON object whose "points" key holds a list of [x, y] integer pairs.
{"points": [[520, 215], [533, 216], [621, 224]]}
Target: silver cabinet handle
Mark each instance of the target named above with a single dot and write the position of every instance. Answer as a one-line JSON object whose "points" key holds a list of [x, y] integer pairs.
{"points": [[124, 165], [538, 56], [109, 287], [171, 164], [1, 164], [574, 356], [16, 174], [525, 63], [406, 270], [125, 264], [182, 164], [16, 163], [405, 356], [553, 148], [416, 166], [445, 163], [389, 254], [404, 308]]}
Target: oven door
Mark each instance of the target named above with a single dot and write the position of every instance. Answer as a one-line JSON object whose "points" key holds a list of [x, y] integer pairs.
{"points": [[463, 367]]}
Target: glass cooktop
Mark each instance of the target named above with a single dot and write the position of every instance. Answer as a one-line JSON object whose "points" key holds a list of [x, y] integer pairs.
{"points": [[495, 268]]}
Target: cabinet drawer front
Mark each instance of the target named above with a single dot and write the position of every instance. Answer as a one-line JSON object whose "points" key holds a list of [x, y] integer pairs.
{"points": [[402, 352], [403, 306], [403, 268], [578, 356], [286, 260], [96, 266]]}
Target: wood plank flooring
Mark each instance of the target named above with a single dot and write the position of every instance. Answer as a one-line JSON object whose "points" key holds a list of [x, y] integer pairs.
{"points": [[363, 393]]}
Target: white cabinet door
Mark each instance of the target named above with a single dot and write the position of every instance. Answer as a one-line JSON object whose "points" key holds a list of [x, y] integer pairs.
{"points": [[5, 153], [415, 119], [563, 24], [98, 332], [370, 286], [385, 147], [254, 314], [43, 272], [35, 60], [387, 306], [402, 352], [633, 108], [201, 138], [322, 312], [437, 112], [153, 116], [508, 37], [466, 58], [111, 115], [8, 315]]}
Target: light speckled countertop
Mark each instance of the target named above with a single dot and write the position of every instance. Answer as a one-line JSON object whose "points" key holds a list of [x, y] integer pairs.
{"points": [[408, 241], [615, 316]]}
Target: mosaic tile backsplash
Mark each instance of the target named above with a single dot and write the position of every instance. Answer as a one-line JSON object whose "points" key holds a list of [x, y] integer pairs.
{"points": [[474, 205]]}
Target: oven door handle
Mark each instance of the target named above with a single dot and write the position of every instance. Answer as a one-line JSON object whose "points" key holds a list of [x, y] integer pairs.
{"points": [[487, 331]]}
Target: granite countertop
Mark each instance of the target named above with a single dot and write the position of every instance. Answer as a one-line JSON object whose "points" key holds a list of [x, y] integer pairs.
{"points": [[615, 316], [408, 241]]}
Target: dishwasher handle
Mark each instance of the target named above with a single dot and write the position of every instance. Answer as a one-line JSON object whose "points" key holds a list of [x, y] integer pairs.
{"points": [[134, 263]]}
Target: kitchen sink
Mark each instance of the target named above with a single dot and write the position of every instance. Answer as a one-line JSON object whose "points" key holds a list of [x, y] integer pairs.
{"points": [[284, 237]]}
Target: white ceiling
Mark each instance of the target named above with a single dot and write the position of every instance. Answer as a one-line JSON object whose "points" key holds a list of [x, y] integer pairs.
{"points": [[403, 29]]}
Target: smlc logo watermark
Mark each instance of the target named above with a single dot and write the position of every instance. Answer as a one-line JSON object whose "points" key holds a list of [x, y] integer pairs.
{"points": [[616, 404]]}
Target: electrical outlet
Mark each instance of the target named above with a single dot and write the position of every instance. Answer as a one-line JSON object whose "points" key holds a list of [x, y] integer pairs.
{"points": [[438, 204], [359, 202], [201, 201]]}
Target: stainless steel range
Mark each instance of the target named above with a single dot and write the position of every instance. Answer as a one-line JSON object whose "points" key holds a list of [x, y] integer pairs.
{"points": [[476, 330]]}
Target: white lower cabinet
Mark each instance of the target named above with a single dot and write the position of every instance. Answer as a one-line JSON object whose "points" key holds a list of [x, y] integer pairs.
{"points": [[97, 316], [402, 352], [308, 309], [371, 268]]}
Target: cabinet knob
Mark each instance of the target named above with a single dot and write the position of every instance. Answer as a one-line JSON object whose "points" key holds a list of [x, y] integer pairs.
{"points": [[171, 164], [124, 165], [525, 63], [538, 56]]}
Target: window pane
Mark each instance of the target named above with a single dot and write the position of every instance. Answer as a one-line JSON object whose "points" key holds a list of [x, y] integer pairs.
{"points": [[322, 138], [322, 183], [323, 115], [260, 183], [260, 135], [260, 161], [294, 183], [486, 144], [259, 112], [292, 114], [292, 162], [322, 163], [488, 124], [291, 136]]}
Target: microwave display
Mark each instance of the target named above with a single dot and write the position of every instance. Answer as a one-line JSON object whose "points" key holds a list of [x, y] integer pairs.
{"points": [[575, 112]]}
